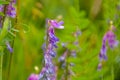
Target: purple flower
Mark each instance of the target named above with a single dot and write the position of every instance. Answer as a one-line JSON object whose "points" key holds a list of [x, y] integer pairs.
{"points": [[11, 11], [49, 72], [33, 77], [9, 47], [112, 43], [62, 58], [111, 39], [1, 8], [99, 66]]}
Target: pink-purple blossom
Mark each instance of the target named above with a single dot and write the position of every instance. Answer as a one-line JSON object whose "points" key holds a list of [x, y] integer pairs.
{"points": [[11, 10], [33, 77], [109, 38], [48, 72]]}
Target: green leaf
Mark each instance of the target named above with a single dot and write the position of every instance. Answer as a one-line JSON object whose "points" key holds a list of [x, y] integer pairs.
{"points": [[1, 50], [4, 2], [25, 27], [1, 14], [15, 30], [12, 34], [4, 31]]}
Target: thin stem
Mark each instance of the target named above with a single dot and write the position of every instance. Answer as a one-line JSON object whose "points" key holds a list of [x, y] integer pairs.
{"points": [[67, 65], [102, 76], [112, 67], [1, 67], [112, 72], [11, 55]]}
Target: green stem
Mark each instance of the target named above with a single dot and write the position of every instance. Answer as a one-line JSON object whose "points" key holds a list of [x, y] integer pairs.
{"points": [[11, 55], [112, 72], [112, 67], [9, 67], [1, 60]]}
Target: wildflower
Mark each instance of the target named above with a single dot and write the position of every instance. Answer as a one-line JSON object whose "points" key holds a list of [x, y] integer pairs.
{"points": [[11, 12], [109, 37], [48, 71], [10, 9]]}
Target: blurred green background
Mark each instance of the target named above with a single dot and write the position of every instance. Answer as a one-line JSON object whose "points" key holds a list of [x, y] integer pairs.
{"points": [[90, 16]]}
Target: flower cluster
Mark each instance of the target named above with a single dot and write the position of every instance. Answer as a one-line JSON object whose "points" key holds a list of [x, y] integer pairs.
{"points": [[48, 71], [8, 10], [67, 53], [109, 37], [11, 12]]}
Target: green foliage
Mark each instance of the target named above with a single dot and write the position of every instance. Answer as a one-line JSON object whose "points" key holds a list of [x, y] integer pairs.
{"points": [[4, 2]]}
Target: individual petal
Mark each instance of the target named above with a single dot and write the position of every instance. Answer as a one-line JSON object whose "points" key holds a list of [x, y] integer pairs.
{"points": [[33, 77], [61, 59], [104, 39], [9, 47], [73, 53], [100, 56], [99, 66], [52, 53], [61, 23], [1, 8], [103, 49], [55, 24], [116, 43], [41, 73]]}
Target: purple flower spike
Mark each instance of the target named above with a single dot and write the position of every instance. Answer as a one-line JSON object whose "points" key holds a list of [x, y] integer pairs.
{"points": [[9, 47], [33, 77], [49, 72], [109, 37]]}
